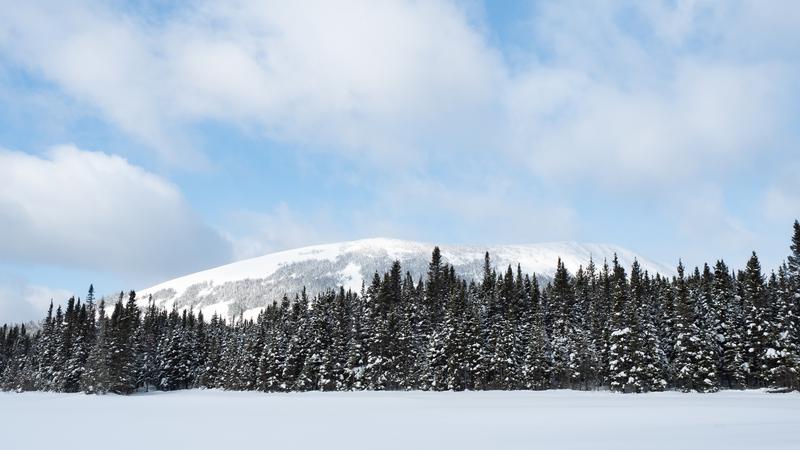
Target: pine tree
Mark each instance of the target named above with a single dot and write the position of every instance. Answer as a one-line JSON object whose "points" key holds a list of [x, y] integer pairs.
{"points": [[621, 364], [355, 347], [538, 360], [784, 371], [296, 351], [42, 362], [602, 322], [794, 259], [694, 365], [407, 350], [793, 274], [587, 359], [17, 347], [727, 327], [173, 354], [4, 353], [97, 377], [145, 341], [376, 343], [648, 359], [390, 299], [76, 347], [455, 347], [562, 294], [122, 365], [758, 327]]}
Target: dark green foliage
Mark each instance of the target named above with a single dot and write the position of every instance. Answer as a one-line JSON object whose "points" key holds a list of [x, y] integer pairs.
{"points": [[726, 322], [758, 325], [794, 257], [694, 364], [594, 329]]}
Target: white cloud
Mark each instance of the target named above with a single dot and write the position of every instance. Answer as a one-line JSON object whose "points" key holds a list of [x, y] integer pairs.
{"points": [[631, 96], [643, 95], [617, 92], [568, 124], [357, 74], [83, 209], [21, 301]]}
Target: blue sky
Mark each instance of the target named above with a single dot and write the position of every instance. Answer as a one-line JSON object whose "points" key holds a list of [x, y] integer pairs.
{"points": [[139, 143]]}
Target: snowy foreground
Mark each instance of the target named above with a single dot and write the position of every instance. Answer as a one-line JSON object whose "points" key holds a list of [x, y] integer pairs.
{"points": [[392, 420]]}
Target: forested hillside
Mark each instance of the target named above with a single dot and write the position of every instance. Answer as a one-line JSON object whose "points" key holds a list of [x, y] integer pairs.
{"points": [[604, 326]]}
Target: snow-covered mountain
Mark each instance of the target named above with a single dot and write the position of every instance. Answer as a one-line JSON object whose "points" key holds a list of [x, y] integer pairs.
{"points": [[245, 287]]}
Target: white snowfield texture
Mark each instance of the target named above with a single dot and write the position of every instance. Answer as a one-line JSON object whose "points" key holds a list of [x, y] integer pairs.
{"points": [[245, 287], [199, 420]]}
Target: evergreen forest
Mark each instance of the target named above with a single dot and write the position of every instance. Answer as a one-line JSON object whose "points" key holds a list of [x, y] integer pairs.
{"points": [[603, 327]]}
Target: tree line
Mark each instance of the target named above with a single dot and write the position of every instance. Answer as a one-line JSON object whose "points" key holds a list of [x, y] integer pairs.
{"points": [[603, 327]]}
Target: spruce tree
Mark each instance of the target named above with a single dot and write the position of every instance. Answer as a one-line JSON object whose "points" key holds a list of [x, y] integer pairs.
{"points": [[562, 294], [727, 326], [784, 371], [621, 342], [793, 265], [587, 360], [538, 358], [758, 327], [793, 274], [694, 366], [97, 377], [648, 358]]}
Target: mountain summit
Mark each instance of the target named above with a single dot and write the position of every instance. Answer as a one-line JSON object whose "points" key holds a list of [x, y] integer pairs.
{"points": [[245, 287]]}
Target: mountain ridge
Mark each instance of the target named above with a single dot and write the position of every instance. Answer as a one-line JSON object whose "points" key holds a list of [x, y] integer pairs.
{"points": [[245, 287]]}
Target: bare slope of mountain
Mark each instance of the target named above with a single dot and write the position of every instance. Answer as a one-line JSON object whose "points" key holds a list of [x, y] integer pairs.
{"points": [[244, 287]]}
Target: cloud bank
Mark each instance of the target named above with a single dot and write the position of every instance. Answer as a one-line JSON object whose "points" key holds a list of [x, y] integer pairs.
{"points": [[610, 91], [669, 106], [92, 210]]}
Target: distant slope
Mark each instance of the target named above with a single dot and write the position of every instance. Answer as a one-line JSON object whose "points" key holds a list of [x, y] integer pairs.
{"points": [[244, 287]]}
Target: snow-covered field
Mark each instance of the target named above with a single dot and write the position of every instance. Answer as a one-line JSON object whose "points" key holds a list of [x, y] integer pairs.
{"points": [[386, 420]]}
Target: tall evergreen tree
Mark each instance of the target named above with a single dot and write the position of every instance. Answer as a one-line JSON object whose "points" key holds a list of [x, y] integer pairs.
{"points": [[794, 257], [694, 364], [97, 377], [538, 358], [784, 354], [621, 343], [726, 325], [566, 370], [758, 327]]}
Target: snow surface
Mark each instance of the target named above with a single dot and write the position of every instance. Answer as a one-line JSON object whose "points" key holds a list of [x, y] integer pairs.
{"points": [[249, 285], [214, 419]]}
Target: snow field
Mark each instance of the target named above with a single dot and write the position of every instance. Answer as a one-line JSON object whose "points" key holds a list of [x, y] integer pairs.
{"points": [[211, 419]]}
